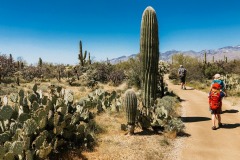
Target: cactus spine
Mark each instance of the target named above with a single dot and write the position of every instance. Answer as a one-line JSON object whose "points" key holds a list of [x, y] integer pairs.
{"points": [[149, 49], [131, 109]]}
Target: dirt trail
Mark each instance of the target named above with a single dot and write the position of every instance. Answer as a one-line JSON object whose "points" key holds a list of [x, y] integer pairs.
{"points": [[203, 143]]}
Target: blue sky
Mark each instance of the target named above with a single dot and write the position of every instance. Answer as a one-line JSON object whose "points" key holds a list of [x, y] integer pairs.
{"points": [[52, 29]]}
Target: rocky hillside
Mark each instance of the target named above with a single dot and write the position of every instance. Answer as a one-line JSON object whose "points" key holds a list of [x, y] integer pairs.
{"points": [[231, 52]]}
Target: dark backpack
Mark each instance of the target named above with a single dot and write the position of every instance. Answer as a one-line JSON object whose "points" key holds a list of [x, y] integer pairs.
{"points": [[214, 100], [182, 72]]}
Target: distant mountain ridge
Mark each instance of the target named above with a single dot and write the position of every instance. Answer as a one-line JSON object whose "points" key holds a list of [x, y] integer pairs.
{"points": [[231, 52]]}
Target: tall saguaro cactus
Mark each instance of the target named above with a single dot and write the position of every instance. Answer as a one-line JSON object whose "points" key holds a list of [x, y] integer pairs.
{"points": [[81, 56], [149, 50], [205, 58]]}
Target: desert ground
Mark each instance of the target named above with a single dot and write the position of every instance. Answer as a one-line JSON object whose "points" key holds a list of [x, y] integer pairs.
{"points": [[199, 142]]}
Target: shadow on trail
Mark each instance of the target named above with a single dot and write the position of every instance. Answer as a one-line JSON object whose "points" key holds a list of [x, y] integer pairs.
{"points": [[194, 119], [189, 89], [230, 111], [230, 126], [183, 134]]}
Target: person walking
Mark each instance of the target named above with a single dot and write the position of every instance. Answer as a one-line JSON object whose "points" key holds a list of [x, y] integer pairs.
{"points": [[215, 101], [182, 72], [217, 79]]}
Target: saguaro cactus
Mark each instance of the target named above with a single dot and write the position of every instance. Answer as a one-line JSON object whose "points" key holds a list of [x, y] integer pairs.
{"points": [[89, 59], [205, 58], [149, 49], [81, 56], [131, 109]]}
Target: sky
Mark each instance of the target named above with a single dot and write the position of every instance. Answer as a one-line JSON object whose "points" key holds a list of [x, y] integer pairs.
{"points": [[51, 29]]}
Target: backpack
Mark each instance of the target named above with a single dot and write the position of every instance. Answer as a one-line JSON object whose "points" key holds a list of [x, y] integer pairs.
{"points": [[182, 72], [214, 100], [219, 82]]}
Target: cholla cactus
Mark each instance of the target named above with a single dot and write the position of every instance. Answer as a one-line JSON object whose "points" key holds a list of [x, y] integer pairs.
{"points": [[232, 82]]}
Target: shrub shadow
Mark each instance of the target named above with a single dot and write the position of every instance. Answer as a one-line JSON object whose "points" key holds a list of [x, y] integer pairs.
{"points": [[146, 132], [230, 111], [182, 100], [194, 119], [183, 134], [230, 126]]}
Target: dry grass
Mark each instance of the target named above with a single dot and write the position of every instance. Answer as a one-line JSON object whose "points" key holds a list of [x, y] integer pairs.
{"points": [[114, 144]]}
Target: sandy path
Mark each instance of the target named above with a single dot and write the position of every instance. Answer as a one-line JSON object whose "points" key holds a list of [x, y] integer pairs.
{"points": [[203, 142]]}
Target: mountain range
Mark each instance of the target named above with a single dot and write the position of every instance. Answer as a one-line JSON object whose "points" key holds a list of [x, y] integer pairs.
{"points": [[231, 52]]}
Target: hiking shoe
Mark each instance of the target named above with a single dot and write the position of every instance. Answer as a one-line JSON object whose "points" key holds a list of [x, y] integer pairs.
{"points": [[219, 125], [214, 128]]}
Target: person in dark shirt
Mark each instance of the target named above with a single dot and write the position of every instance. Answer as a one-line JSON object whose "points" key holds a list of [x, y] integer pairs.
{"points": [[182, 72]]}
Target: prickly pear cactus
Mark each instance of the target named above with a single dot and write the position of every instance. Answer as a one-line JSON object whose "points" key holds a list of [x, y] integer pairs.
{"points": [[37, 143], [44, 151], [29, 126], [21, 93], [14, 97], [29, 155], [9, 156], [32, 97], [34, 88], [37, 124], [4, 137], [6, 112], [149, 50], [17, 147], [2, 151]]}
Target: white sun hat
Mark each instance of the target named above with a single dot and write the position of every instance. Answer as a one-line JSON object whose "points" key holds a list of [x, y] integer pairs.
{"points": [[217, 76]]}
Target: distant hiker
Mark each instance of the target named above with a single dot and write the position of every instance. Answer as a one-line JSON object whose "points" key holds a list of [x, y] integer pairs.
{"points": [[182, 72], [215, 101], [217, 79]]}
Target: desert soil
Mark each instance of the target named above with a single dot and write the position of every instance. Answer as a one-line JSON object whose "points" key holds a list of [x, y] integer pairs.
{"points": [[199, 142]]}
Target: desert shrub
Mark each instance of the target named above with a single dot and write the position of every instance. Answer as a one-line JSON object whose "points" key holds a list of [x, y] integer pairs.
{"points": [[116, 76], [100, 72], [133, 72], [162, 114], [31, 72]]}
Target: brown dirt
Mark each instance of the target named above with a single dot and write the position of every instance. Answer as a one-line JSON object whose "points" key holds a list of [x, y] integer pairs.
{"points": [[114, 144], [202, 142]]}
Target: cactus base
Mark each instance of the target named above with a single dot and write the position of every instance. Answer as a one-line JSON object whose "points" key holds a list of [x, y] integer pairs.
{"points": [[131, 129]]}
